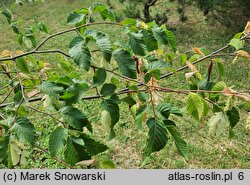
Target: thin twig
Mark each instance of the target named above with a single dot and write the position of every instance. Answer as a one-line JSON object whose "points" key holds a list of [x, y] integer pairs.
{"points": [[122, 76], [195, 91], [72, 30], [4, 87], [42, 112], [9, 93], [196, 62], [84, 98], [7, 73], [22, 91], [35, 51], [1, 116], [20, 80], [56, 158]]}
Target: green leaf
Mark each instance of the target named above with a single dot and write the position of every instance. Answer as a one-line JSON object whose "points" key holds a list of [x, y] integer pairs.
{"points": [[8, 15], [238, 35], [92, 146], [80, 53], [149, 40], [195, 105], [71, 155], [15, 28], [125, 63], [237, 43], [220, 67], [217, 87], [183, 59], [73, 94], [136, 43], [129, 21], [158, 136], [218, 123], [102, 41], [141, 109], [108, 89], [28, 43], [23, 110], [153, 73], [104, 12], [42, 27], [167, 108], [22, 65], [233, 116], [106, 119], [18, 97], [24, 130], [99, 76], [57, 140], [4, 152], [74, 117], [75, 18], [171, 40], [104, 44], [143, 96], [75, 151], [129, 100], [20, 38], [112, 107], [160, 35], [107, 164], [158, 65], [51, 89], [179, 142]]}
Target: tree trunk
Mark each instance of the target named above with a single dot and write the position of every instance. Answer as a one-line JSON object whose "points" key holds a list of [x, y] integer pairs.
{"points": [[146, 9]]}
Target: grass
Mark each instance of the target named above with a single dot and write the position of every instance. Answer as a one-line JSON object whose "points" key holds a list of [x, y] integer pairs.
{"points": [[127, 149]]}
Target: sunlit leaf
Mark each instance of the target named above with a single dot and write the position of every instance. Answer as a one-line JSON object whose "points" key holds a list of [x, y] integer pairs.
{"points": [[107, 164], [195, 105], [237, 43], [218, 123]]}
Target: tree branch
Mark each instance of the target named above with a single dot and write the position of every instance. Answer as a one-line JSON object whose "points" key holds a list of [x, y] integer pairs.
{"points": [[54, 35], [50, 115], [55, 158], [197, 61], [73, 29], [7, 95]]}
